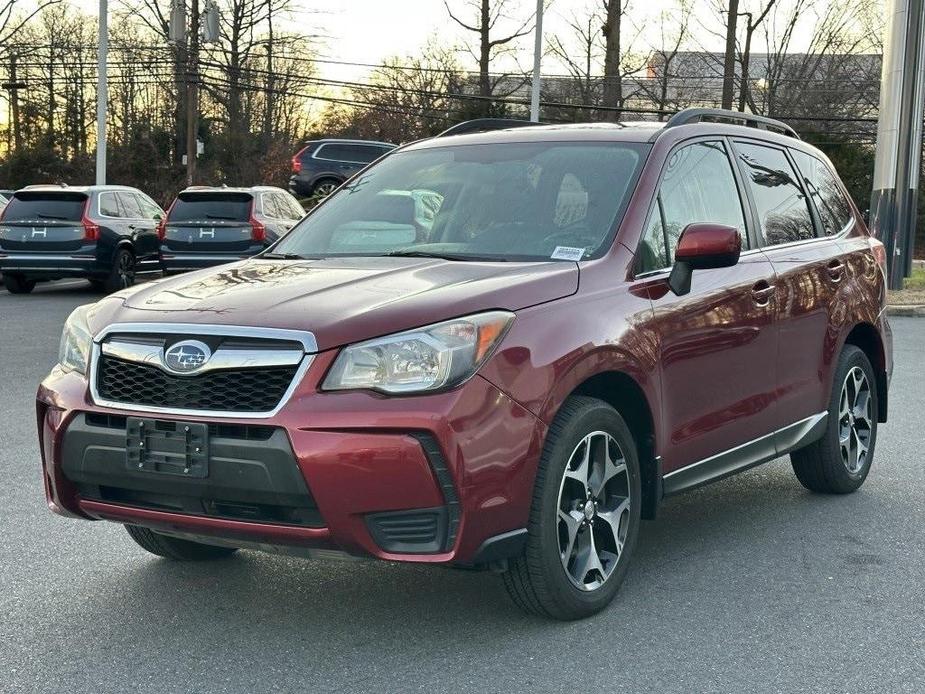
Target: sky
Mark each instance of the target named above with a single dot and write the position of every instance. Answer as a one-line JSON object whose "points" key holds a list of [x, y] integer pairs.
{"points": [[367, 31]]}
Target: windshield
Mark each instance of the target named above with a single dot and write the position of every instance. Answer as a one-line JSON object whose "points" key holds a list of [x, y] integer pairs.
{"points": [[26, 206], [493, 202], [196, 207]]}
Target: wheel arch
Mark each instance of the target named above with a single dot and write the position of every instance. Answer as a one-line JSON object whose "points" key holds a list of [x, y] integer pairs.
{"points": [[865, 337], [615, 378]]}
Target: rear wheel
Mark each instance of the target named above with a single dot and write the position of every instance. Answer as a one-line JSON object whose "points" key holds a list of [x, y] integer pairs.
{"points": [[325, 186], [122, 274], [838, 463], [175, 548], [18, 284], [585, 515]]}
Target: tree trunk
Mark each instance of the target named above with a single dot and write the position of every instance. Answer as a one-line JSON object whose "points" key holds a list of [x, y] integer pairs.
{"points": [[613, 82], [746, 57], [729, 60], [485, 57]]}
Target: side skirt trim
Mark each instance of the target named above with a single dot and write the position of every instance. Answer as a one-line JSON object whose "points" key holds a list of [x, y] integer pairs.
{"points": [[746, 455]]}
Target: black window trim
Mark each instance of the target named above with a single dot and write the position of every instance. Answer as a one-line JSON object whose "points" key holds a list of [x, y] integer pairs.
{"points": [[748, 214], [818, 230]]}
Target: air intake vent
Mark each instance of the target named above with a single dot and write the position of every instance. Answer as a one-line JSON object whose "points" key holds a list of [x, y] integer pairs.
{"points": [[421, 531]]}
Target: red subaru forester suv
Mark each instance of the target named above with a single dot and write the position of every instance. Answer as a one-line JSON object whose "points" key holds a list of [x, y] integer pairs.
{"points": [[496, 349]]}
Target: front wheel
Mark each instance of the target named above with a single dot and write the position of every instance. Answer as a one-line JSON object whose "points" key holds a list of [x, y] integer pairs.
{"points": [[175, 548], [584, 519], [838, 463]]}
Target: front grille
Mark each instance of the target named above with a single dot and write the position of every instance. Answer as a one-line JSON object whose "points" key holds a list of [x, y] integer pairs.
{"points": [[235, 390]]}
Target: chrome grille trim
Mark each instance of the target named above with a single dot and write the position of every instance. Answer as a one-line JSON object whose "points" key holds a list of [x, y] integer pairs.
{"points": [[236, 358], [153, 355]]}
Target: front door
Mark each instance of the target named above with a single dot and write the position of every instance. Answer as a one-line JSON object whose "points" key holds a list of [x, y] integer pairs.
{"points": [[718, 344]]}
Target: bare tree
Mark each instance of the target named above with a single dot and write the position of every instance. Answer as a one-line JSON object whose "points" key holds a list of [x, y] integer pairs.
{"points": [[674, 25], [490, 15], [753, 21]]}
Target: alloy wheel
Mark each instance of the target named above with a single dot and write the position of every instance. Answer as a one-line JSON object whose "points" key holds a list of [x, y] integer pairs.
{"points": [[855, 422], [325, 188], [125, 270], [593, 510]]}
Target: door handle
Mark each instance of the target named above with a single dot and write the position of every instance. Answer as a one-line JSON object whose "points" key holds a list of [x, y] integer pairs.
{"points": [[762, 293], [836, 269]]}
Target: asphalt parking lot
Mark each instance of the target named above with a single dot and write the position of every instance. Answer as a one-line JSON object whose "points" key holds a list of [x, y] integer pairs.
{"points": [[750, 585]]}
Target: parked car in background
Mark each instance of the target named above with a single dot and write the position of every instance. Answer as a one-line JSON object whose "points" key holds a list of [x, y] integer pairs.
{"points": [[501, 350], [106, 234], [208, 225], [322, 165]]}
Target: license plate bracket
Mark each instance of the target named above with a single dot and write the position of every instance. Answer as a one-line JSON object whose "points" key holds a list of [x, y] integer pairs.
{"points": [[167, 447]]}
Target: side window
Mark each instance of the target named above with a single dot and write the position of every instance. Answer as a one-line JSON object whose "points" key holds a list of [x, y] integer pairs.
{"points": [[130, 205], [834, 208], [149, 208], [291, 206], [698, 185], [783, 212], [268, 205], [109, 206]]}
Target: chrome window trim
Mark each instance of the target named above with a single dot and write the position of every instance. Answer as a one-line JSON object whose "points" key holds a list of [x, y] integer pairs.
{"points": [[314, 154], [306, 339], [99, 204]]}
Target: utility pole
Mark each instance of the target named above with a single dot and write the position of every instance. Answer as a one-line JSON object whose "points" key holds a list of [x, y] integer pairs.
{"points": [[13, 86], [268, 111], [899, 136], [537, 58], [192, 95], [102, 94]]}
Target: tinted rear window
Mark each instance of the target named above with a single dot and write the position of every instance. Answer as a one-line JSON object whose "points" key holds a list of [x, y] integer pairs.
{"points": [[64, 206], [234, 207]]}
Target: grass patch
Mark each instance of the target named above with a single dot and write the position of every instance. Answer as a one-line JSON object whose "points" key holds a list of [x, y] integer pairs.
{"points": [[917, 279]]}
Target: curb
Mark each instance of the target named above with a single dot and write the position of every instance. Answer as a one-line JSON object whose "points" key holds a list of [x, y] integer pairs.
{"points": [[908, 311]]}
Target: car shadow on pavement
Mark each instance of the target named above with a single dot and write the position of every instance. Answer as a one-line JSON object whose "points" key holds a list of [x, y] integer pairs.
{"points": [[715, 539]]}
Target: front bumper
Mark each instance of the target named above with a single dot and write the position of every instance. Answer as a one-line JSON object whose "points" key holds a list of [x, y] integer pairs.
{"points": [[365, 473]]}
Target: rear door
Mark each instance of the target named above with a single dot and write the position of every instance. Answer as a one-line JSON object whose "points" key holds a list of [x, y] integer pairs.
{"points": [[717, 345], [142, 229], [210, 222], [808, 267], [43, 222]]}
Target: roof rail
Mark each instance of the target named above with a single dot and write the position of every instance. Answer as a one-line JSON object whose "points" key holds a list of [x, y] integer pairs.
{"points": [[481, 125], [719, 115]]}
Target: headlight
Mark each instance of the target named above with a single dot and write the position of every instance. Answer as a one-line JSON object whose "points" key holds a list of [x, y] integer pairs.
{"points": [[74, 351], [429, 358]]}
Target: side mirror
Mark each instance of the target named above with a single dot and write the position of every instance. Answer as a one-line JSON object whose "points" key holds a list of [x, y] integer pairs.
{"points": [[703, 246]]}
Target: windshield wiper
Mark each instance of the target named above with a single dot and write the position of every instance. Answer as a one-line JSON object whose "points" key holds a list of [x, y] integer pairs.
{"points": [[218, 216], [52, 216], [284, 256], [410, 253]]}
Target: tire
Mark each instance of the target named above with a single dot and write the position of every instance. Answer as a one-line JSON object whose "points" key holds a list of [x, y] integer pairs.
{"points": [[122, 273], [18, 284], [324, 186], [829, 465], [540, 582], [175, 548]]}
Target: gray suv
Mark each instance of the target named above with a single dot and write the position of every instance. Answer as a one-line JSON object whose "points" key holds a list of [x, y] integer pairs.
{"points": [[322, 165]]}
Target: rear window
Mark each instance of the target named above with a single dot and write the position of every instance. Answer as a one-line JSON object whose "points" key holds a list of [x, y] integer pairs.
{"points": [[196, 207], [27, 206]]}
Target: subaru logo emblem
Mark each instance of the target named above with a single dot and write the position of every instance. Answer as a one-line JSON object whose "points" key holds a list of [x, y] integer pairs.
{"points": [[187, 356]]}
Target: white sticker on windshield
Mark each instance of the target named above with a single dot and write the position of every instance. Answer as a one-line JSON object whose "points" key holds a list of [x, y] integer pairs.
{"points": [[567, 253]]}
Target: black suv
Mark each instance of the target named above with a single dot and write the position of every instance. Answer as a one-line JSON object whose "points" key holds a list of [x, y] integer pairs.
{"points": [[322, 165], [106, 234], [208, 226]]}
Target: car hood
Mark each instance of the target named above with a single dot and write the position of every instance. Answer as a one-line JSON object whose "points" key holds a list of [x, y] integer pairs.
{"points": [[342, 300]]}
